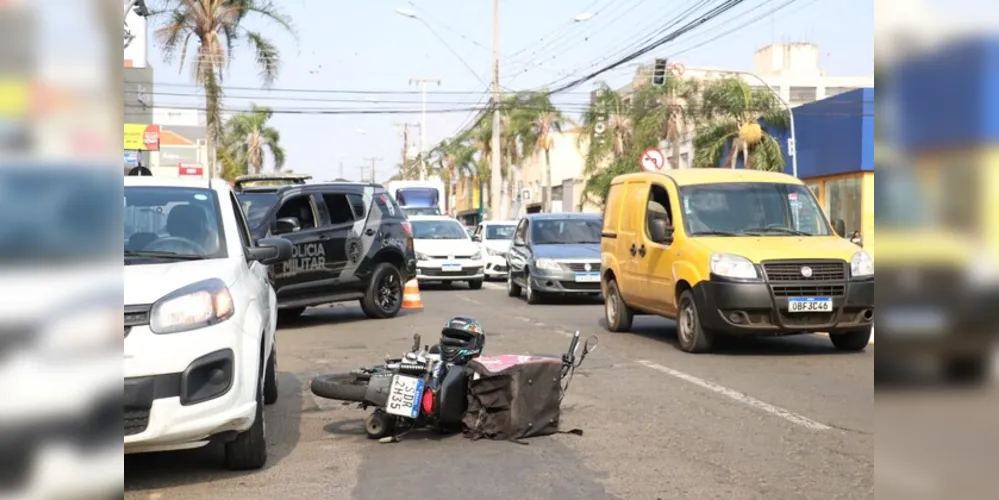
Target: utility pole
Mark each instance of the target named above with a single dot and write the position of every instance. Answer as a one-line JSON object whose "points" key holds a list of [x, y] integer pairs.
{"points": [[405, 142], [495, 178], [422, 82], [372, 160]]}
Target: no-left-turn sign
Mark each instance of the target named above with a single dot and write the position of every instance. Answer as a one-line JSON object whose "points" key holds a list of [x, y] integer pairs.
{"points": [[653, 160]]}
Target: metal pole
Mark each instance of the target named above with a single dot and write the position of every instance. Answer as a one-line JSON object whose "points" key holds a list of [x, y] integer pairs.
{"points": [[423, 127], [495, 177]]}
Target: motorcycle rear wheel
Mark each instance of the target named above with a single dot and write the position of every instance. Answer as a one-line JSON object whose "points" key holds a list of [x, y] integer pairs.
{"points": [[379, 424], [340, 386]]}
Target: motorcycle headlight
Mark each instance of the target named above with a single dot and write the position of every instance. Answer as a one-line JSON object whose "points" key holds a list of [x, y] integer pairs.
{"points": [[195, 306], [733, 266], [547, 264], [861, 265]]}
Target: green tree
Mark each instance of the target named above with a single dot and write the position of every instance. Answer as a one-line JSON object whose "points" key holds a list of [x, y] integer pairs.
{"points": [[217, 27], [730, 115], [248, 138]]}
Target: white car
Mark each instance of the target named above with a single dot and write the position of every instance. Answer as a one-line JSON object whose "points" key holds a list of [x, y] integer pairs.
{"points": [[445, 252], [495, 239], [200, 315]]}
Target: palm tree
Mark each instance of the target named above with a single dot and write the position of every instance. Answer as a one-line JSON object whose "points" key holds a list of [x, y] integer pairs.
{"points": [[733, 115], [217, 27], [608, 128], [546, 120], [248, 138]]}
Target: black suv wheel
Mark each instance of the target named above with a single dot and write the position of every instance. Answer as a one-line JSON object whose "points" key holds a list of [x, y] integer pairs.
{"points": [[384, 296]]}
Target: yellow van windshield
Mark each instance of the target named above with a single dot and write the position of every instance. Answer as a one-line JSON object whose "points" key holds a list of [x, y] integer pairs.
{"points": [[751, 208]]}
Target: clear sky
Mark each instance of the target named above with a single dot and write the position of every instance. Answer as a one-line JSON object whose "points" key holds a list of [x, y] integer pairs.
{"points": [[367, 46]]}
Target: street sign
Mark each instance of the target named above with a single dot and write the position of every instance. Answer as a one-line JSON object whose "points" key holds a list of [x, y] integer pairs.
{"points": [[525, 194], [653, 160], [791, 147], [132, 158], [190, 170]]}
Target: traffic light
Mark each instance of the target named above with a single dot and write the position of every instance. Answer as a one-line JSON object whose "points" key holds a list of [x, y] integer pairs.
{"points": [[659, 70]]}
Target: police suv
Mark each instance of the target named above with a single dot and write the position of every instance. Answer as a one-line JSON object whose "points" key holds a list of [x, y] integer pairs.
{"points": [[200, 316], [351, 241]]}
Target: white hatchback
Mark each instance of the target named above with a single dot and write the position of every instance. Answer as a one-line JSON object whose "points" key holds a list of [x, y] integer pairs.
{"points": [[445, 252], [200, 316]]}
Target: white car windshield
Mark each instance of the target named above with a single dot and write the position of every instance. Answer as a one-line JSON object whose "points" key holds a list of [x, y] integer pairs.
{"points": [[56, 215], [751, 208], [438, 230], [500, 232], [172, 223]]}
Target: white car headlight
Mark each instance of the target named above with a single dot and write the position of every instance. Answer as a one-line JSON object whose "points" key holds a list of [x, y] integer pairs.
{"points": [[87, 330], [495, 253], [421, 257], [733, 266], [547, 264], [476, 256], [983, 271], [195, 306], [861, 265]]}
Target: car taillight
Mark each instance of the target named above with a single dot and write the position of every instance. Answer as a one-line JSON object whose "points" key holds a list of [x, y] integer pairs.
{"points": [[428, 402]]}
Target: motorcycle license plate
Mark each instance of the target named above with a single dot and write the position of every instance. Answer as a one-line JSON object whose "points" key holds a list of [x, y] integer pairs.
{"points": [[405, 395]]}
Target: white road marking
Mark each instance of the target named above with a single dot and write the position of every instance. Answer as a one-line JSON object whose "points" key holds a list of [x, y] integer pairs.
{"points": [[489, 285], [468, 299], [794, 418]]}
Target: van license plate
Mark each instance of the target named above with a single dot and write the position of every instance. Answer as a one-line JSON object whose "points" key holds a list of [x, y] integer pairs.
{"points": [[587, 277], [809, 304], [451, 267], [405, 395]]}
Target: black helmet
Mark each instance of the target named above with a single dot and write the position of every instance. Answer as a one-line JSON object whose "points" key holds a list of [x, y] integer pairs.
{"points": [[461, 340]]}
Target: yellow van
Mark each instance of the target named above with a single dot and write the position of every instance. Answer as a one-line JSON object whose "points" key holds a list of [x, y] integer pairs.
{"points": [[731, 253]]}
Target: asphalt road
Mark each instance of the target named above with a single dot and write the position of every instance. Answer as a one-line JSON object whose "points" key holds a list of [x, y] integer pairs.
{"points": [[774, 418]]}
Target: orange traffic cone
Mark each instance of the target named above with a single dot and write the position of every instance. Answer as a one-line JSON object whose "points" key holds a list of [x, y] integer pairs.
{"points": [[411, 295]]}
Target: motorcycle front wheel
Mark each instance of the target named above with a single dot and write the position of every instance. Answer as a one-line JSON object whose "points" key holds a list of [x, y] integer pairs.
{"points": [[340, 386]]}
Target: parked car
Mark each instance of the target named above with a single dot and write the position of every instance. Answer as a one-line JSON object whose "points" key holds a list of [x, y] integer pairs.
{"points": [[495, 238], [445, 252], [200, 316], [732, 252], [351, 242], [555, 254]]}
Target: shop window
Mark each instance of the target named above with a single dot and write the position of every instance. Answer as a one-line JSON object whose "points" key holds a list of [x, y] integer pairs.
{"points": [[802, 94], [816, 189], [843, 201]]}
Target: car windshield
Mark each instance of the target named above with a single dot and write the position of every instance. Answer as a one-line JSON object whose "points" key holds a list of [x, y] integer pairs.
{"points": [[566, 231], [57, 215], [411, 211], [256, 206], [172, 223], [438, 230], [902, 202], [500, 232], [752, 208]]}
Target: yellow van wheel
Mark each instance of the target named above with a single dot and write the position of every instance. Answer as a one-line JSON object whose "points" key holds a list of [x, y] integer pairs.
{"points": [[689, 333], [617, 314]]}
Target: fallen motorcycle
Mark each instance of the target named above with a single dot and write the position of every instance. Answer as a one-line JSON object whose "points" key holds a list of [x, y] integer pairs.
{"points": [[426, 387], [420, 389]]}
